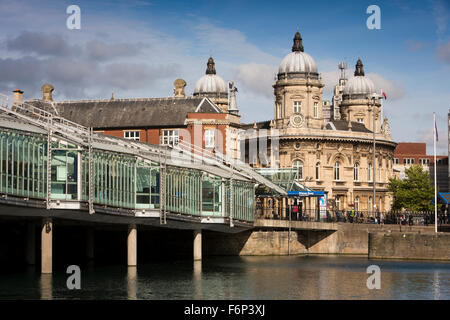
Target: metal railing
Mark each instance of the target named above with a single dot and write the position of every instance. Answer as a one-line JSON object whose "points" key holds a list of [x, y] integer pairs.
{"points": [[422, 218]]}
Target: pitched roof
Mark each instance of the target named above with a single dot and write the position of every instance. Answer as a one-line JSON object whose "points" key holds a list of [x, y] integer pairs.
{"points": [[132, 113], [343, 125], [411, 148], [259, 125]]}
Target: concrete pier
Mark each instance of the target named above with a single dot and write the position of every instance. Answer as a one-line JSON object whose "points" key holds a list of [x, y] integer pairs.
{"points": [[31, 244], [47, 245], [132, 245], [197, 245]]}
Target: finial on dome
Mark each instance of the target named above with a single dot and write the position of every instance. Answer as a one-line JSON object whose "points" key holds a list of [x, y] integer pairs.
{"points": [[210, 66], [359, 70], [298, 46]]}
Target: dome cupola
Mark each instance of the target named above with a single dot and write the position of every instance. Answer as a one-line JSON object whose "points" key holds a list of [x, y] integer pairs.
{"points": [[297, 64], [210, 84], [359, 86]]}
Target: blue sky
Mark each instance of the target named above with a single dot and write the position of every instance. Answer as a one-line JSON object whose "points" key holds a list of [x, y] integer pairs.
{"points": [[138, 48]]}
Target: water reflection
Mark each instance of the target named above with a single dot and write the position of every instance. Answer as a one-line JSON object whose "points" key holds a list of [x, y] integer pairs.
{"points": [[436, 284], [132, 283], [197, 279], [46, 286], [288, 278]]}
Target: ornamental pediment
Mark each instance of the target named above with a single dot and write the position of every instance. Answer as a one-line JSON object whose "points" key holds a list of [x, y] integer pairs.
{"points": [[297, 96], [316, 97]]}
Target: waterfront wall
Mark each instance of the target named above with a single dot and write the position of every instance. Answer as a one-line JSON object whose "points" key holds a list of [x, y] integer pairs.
{"points": [[409, 246], [354, 238], [254, 243], [347, 239]]}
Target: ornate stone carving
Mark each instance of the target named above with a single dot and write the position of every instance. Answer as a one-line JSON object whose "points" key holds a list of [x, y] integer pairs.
{"points": [[296, 120]]}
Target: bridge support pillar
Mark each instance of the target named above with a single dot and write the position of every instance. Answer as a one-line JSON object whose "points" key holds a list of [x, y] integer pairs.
{"points": [[90, 244], [31, 244], [47, 245], [197, 245], [132, 245]]}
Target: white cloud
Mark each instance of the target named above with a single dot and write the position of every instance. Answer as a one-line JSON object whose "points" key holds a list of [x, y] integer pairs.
{"points": [[393, 90], [256, 78], [441, 15]]}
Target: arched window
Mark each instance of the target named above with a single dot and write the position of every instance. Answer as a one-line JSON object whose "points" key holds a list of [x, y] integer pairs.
{"points": [[317, 171], [356, 172], [298, 164], [369, 173], [336, 171]]}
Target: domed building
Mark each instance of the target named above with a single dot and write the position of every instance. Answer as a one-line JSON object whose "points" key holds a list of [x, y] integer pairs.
{"points": [[212, 86], [330, 148]]}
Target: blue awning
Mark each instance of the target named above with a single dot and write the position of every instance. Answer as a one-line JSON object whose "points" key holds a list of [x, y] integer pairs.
{"points": [[443, 197], [307, 193]]}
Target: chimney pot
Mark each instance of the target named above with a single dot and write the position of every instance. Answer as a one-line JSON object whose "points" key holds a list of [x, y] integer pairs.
{"points": [[47, 90], [18, 98]]}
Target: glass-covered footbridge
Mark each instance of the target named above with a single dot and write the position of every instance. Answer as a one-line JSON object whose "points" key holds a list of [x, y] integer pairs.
{"points": [[48, 162]]}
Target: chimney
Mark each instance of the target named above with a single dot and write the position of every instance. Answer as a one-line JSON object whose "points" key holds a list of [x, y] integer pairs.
{"points": [[47, 90], [178, 92], [18, 98]]}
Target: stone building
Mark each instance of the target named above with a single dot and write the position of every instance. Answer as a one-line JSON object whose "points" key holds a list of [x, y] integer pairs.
{"points": [[330, 147]]}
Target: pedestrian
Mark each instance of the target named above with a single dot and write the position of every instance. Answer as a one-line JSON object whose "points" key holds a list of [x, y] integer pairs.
{"points": [[381, 218]]}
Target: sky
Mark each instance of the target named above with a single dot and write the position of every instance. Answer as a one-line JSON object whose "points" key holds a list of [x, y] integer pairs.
{"points": [[137, 48]]}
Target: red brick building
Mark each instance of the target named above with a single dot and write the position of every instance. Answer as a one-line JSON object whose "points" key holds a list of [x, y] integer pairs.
{"points": [[409, 153]]}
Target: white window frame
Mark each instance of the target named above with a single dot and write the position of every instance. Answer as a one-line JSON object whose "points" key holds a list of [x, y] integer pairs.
{"points": [[356, 172], [316, 110], [132, 135], [209, 138], [298, 165], [336, 171], [360, 120], [369, 172], [396, 161], [170, 137], [297, 106]]}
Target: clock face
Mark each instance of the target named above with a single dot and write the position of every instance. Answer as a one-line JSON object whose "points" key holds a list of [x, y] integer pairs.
{"points": [[297, 120]]}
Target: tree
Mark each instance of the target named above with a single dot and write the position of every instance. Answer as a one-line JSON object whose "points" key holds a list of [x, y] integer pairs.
{"points": [[415, 192]]}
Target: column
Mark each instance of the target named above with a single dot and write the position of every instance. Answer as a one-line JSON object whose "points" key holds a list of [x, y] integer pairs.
{"points": [[90, 244], [31, 244], [46, 245], [132, 245], [197, 245]]}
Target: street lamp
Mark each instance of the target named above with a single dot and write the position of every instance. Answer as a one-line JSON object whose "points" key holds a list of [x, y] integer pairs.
{"points": [[374, 96]]}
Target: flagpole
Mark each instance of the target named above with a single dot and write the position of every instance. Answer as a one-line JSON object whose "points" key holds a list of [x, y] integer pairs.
{"points": [[435, 177]]}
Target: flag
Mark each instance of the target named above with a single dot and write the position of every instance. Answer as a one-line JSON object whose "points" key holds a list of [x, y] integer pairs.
{"points": [[435, 129], [384, 94]]}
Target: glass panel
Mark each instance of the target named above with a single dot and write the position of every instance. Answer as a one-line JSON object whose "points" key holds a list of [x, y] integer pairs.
{"points": [[211, 195]]}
